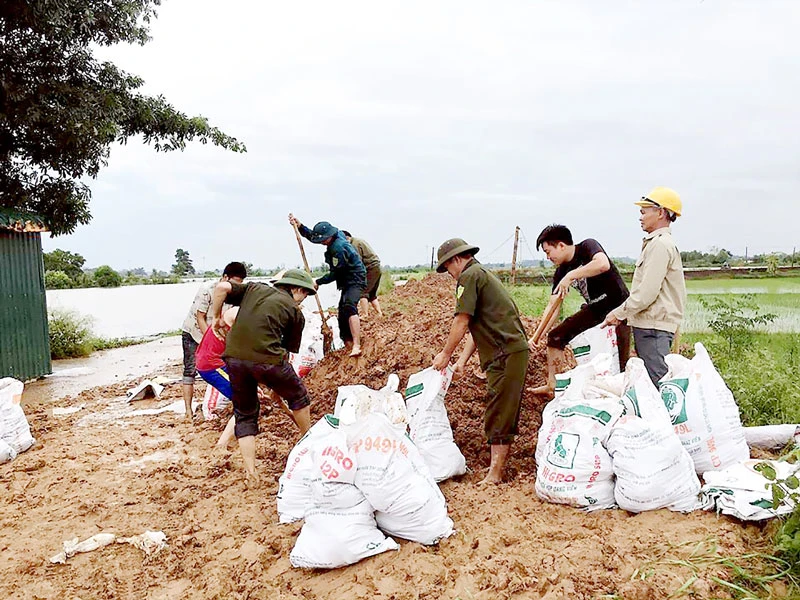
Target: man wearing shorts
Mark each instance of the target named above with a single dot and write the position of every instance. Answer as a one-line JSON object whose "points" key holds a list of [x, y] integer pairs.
{"points": [[373, 265], [347, 270], [268, 326], [587, 267], [195, 325], [484, 307]]}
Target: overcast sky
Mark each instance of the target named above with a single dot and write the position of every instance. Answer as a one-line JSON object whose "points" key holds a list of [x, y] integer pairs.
{"points": [[412, 122]]}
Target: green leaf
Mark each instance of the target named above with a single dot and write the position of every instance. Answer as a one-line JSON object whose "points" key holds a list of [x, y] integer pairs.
{"points": [[767, 470]]}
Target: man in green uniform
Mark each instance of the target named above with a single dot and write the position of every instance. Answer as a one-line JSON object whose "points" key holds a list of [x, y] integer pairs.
{"points": [[484, 307], [373, 266], [269, 326]]}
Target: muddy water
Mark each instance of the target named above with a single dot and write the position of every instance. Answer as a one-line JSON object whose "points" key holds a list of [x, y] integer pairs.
{"points": [[141, 310]]}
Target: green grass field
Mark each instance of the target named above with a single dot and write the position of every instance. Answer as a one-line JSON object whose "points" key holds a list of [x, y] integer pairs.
{"points": [[779, 296]]}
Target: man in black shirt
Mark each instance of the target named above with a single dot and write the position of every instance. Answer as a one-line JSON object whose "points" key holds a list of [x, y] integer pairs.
{"points": [[586, 267]]}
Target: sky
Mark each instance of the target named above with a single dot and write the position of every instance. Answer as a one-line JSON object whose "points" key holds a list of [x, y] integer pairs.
{"points": [[412, 122]]}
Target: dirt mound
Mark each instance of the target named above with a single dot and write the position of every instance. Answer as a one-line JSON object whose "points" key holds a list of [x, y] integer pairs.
{"points": [[414, 328]]}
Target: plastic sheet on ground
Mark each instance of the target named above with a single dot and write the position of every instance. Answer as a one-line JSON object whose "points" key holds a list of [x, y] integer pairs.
{"points": [[149, 542]]}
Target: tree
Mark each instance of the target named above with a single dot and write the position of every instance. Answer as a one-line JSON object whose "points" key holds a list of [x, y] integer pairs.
{"points": [[62, 109], [66, 261], [183, 264], [57, 280], [105, 276]]}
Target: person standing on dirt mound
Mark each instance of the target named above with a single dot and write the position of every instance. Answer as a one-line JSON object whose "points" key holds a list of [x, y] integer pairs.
{"points": [[587, 267], [658, 294], [195, 325], [268, 326], [373, 265], [485, 308], [349, 273]]}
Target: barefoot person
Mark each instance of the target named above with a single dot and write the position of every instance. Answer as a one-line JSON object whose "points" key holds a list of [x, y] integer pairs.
{"points": [[484, 307], [347, 270], [269, 326], [195, 325], [658, 293], [587, 267], [373, 265]]}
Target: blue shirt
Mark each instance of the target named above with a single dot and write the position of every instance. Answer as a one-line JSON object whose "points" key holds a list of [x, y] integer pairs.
{"points": [[347, 269]]}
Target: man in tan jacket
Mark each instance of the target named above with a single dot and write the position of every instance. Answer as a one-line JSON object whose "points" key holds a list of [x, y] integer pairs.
{"points": [[654, 309]]}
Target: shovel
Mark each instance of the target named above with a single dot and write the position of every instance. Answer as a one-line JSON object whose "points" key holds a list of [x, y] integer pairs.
{"points": [[327, 333], [549, 315]]}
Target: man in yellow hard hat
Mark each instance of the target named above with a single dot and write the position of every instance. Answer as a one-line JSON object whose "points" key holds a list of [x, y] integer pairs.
{"points": [[485, 308], [654, 309]]}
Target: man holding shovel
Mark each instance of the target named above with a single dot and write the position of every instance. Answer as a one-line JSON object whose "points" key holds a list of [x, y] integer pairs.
{"points": [[658, 294], [268, 326], [347, 270], [587, 267], [484, 307]]}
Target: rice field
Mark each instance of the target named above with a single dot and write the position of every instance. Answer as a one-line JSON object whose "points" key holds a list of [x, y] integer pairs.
{"points": [[779, 296]]}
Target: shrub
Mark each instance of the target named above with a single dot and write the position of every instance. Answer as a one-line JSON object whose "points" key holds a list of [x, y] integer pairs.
{"points": [[105, 276], [70, 334], [57, 280]]}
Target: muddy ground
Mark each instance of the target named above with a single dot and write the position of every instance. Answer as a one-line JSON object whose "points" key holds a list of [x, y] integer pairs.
{"points": [[101, 471]]}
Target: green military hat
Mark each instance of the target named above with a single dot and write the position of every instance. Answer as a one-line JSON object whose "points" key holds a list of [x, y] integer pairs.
{"points": [[297, 278], [452, 248]]}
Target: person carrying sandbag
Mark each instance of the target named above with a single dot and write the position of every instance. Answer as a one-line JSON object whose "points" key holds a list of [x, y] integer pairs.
{"points": [[485, 308], [268, 326]]}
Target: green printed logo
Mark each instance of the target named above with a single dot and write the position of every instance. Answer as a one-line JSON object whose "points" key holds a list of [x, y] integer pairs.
{"points": [[563, 450], [763, 503], [562, 383], [581, 410], [414, 390], [631, 395], [581, 351], [673, 395]]}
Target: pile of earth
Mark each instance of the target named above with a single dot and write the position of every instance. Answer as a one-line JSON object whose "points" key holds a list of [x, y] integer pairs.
{"points": [[414, 328]]}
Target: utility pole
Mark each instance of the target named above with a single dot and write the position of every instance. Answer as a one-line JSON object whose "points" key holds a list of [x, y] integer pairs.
{"points": [[432, 249], [745, 255], [794, 249], [514, 257]]}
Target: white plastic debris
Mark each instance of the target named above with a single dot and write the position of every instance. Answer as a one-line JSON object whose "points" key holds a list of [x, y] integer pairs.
{"points": [[69, 410], [772, 437], [176, 407], [145, 389], [149, 542], [73, 546]]}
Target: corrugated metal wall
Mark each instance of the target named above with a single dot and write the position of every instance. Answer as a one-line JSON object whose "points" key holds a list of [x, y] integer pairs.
{"points": [[24, 339]]}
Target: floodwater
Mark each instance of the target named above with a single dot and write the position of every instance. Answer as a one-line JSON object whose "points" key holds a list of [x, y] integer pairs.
{"points": [[143, 310]]}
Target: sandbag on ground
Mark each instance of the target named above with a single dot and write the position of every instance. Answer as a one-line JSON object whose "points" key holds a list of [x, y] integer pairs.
{"points": [[14, 429], [703, 411], [593, 342], [396, 481], [429, 425]]}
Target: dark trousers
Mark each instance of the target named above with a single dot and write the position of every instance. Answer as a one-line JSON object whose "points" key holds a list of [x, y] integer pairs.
{"points": [[505, 379], [348, 307], [652, 345], [189, 352], [246, 375]]}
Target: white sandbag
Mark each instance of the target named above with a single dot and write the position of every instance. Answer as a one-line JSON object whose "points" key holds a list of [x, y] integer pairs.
{"points": [[595, 341], [396, 481], [339, 529], [576, 381], [653, 470], [311, 346], [294, 486], [214, 402], [703, 412], [355, 402], [575, 467], [740, 491], [429, 425], [7, 453], [641, 397], [14, 428], [772, 437]]}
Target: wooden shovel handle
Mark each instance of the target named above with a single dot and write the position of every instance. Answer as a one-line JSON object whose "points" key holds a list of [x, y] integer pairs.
{"points": [[551, 311]]}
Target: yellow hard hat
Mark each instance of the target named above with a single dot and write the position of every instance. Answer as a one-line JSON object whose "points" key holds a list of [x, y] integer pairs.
{"points": [[663, 197]]}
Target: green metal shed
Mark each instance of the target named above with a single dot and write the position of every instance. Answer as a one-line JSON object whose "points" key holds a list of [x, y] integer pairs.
{"points": [[24, 336]]}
